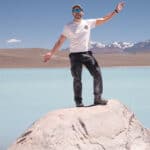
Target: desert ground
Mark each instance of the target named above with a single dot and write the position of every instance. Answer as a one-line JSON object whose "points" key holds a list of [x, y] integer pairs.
{"points": [[32, 58]]}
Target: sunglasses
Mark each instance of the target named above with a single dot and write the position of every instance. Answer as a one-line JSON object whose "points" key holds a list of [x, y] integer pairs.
{"points": [[77, 10]]}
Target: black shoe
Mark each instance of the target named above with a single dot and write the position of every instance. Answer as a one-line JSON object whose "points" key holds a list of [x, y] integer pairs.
{"points": [[100, 102], [79, 105]]}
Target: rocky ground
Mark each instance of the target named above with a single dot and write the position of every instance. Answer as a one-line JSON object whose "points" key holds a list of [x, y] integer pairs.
{"points": [[110, 127]]}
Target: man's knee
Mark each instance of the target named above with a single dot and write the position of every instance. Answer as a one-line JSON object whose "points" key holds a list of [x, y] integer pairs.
{"points": [[96, 73], [77, 81], [76, 75]]}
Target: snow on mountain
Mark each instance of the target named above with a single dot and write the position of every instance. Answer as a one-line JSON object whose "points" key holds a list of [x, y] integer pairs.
{"points": [[111, 47], [97, 45], [121, 45]]}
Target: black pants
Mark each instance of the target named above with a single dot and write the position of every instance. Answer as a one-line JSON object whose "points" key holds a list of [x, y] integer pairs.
{"points": [[77, 61]]}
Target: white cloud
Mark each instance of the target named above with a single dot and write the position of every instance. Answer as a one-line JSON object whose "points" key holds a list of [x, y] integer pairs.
{"points": [[13, 41]]}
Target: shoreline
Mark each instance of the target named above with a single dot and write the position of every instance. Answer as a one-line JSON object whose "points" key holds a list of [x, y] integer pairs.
{"points": [[105, 67]]}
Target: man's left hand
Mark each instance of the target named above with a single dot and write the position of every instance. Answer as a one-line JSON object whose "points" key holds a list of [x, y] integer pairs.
{"points": [[120, 6]]}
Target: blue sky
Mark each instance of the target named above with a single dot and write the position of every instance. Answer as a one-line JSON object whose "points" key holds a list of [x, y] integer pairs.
{"points": [[38, 23]]}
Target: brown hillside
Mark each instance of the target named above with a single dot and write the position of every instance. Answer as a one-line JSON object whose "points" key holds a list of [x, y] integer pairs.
{"points": [[32, 57]]}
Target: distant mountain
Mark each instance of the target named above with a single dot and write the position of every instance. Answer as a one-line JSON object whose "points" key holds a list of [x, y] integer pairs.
{"points": [[120, 47], [110, 48], [139, 47]]}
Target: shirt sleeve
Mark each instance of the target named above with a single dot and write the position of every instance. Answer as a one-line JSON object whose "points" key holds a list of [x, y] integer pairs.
{"points": [[65, 31], [91, 23]]}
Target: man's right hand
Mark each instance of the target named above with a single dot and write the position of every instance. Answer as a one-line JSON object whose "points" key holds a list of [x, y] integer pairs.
{"points": [[47, 56], [57, 45]]}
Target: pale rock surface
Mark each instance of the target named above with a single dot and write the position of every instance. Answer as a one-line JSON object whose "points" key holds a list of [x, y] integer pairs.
{"points": [[110, 127]]}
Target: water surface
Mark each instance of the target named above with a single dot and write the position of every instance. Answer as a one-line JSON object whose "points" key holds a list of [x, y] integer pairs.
{"points": [[28, 94]]}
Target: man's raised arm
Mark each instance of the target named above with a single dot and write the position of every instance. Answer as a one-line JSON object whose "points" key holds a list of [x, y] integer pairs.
{"points": [[56, 47], [104, 19]]}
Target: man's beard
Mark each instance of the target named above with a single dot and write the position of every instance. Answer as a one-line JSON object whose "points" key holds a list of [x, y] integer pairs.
{"points": [[78, 16]]}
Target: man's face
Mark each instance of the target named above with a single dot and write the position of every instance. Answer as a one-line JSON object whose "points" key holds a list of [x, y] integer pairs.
{"points": [[77, 13]]}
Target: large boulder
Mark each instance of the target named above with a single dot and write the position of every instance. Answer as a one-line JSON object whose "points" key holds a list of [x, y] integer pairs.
{"points": [[110, 127]]}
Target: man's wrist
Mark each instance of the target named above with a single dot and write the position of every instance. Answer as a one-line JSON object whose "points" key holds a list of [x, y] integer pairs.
{"points": [[53, 51], [116, 11]]}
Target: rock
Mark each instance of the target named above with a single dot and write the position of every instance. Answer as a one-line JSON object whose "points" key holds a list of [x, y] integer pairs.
{"points": [[110, 127]]}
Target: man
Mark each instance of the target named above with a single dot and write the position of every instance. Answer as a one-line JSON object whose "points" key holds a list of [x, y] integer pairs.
{"points": [[78, 32]]}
